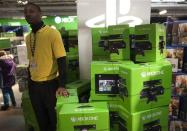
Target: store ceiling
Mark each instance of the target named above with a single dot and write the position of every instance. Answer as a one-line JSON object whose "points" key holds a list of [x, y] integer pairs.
{"points": [[12, 8]]}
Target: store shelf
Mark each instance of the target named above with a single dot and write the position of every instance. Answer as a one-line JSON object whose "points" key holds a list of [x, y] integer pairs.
{"points": [[176, 46]]}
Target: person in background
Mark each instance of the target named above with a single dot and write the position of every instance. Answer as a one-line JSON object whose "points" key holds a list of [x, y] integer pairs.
{"points": [[8, 68], [47, 62]]}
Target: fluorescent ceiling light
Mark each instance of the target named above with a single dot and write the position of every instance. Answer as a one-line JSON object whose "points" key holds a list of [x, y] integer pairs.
{"points": [[162, 12], [44, 17]]}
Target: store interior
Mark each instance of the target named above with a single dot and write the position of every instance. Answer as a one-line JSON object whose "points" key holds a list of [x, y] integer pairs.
{"points": [[134, 76]]}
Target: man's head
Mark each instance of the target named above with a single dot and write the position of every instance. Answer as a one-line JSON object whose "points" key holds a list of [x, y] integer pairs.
{"points": [[32, 13]]}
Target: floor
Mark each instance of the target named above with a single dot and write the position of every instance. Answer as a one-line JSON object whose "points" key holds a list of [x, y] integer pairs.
{"points": [[12, 119]]}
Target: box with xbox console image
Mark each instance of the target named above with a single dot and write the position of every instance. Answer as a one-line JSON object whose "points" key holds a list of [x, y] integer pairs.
{"points": [[72, 42], [145, 86], [104, 79], [149, 42], [72, 68], [61, 101], [113, 107], [128, 39], [28, 112], [148, 120], [99, 35], [84, 117], [82, 88], [72, 98], [115, 44]]}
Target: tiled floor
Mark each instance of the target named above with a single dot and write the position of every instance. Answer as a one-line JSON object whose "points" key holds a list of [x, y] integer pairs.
{"points": [[12, 119]]}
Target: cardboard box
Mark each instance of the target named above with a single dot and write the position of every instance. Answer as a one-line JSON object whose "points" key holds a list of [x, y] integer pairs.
{"points": [[86, 116], [150, 42], [145, 86], [119, 49], [148, 120], [104, 77]]}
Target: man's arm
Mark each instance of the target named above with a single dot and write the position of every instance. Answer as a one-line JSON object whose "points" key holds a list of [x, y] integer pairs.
{"points": [[62, 76], [62, 71]]}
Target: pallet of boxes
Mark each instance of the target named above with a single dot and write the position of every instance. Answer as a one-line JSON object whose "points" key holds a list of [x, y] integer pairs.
{"points": [[130, 83]]}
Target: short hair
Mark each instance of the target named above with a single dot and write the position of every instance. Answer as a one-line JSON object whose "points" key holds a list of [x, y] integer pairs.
{"points": [[33, 4], [2, 53]]}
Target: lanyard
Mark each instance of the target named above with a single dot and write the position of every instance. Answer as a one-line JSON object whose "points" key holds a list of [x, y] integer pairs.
{"points": [[33, 43]]}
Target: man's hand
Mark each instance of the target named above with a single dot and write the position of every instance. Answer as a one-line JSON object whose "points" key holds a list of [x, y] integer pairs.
{"points": [[61, 91]]}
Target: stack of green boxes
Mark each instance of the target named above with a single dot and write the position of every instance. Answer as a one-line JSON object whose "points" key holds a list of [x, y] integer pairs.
{"points": [[145, 90], [72, 56], [84, 117], [150, 43], [74, 116], [108, 44], [137, 91], [99, 35]]}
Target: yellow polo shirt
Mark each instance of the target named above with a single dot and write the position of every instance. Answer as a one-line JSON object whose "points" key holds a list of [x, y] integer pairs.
{"points": [[48, 47]]}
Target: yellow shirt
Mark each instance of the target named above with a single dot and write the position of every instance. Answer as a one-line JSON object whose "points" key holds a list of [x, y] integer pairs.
{"points": [[48, 47]]}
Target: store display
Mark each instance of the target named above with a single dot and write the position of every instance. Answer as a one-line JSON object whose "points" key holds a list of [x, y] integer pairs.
{"points": [[175, 56], [129, 39], [149, 42], [5, 43], [145, 86], [104, 79], [183, 106], [72, 42], [149, 120], [119, 50], [72, 68], [180, 82], [99, 35], [82, 88], [86, 116], [61, 101]]}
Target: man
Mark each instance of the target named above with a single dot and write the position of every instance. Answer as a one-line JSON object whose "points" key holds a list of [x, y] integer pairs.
{"points": [[46, 56]]}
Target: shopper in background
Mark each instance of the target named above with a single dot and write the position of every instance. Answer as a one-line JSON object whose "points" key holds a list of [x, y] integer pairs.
{"points": [[7, 67], [46, 56]]}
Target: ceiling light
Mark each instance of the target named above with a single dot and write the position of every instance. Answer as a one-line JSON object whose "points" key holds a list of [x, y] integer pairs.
{"points": [[19, 1], [24, 3], [44, 17], [162, 12]]}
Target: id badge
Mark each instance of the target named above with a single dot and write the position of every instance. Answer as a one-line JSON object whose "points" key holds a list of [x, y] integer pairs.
{"points": [[33, 64]]}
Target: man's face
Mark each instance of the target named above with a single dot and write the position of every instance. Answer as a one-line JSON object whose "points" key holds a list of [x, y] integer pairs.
{"points": [[32, 14]]}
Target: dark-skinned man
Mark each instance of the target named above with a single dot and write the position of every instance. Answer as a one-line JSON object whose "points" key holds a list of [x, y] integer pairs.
{"points": [[46, 56]]}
